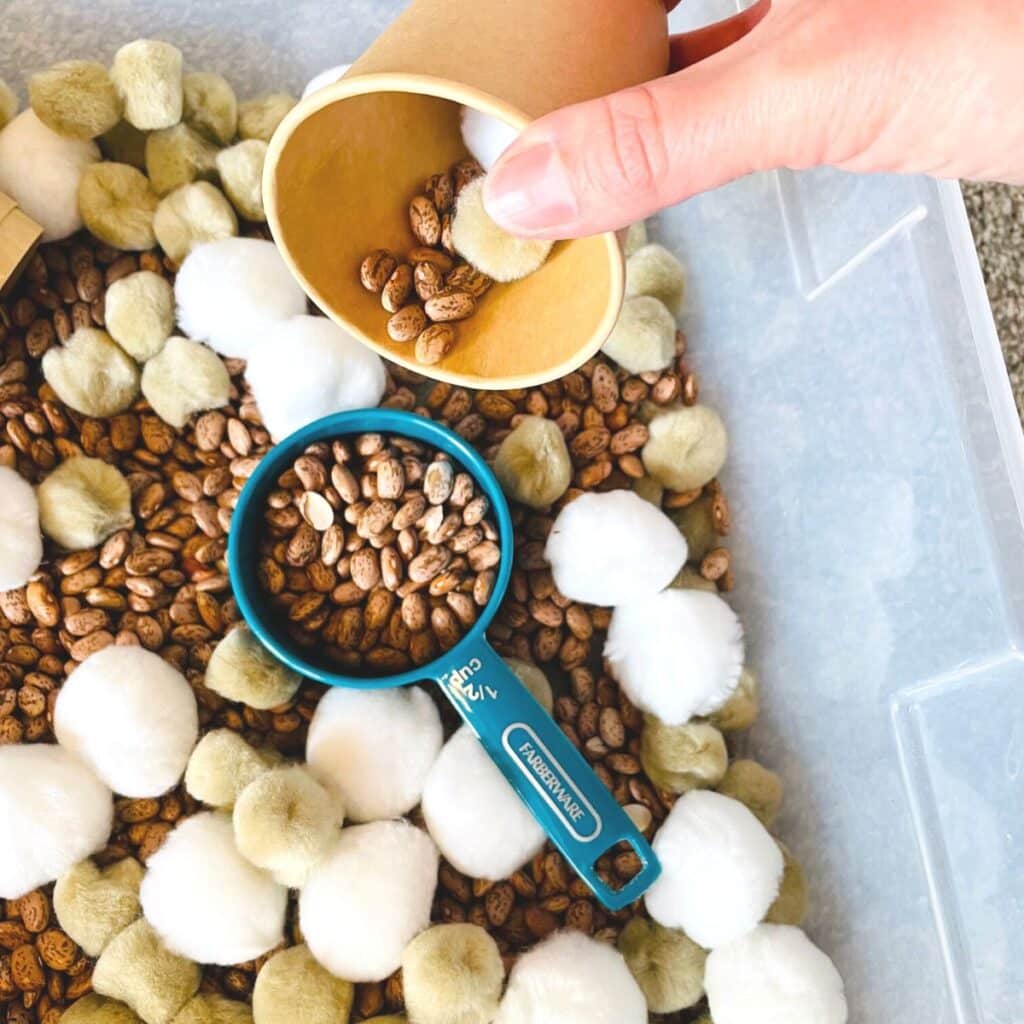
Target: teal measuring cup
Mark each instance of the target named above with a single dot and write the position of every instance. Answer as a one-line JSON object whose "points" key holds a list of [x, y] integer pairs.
{"points": [[569, 801]]}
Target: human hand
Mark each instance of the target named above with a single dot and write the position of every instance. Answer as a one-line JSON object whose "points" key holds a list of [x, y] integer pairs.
{"points": [[924, 86]]}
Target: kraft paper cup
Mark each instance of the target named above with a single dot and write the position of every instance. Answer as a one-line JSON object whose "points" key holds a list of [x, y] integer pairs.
{"points": [[345, 162]]}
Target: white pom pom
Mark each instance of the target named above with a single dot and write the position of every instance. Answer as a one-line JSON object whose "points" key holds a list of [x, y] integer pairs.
{"points": [[206, 901], [676, 654], [54, 812], [607, 549], [41, 171], [368, 898], [325, 78], [486, 137], [720, 869], [229, 291], [774, 975], [131, 717], [374, 748], [21, 543], [348, 374], [571, 978], [475, 816]]}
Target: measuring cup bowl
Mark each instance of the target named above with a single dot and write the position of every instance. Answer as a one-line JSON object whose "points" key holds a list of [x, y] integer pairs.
{"points": [[571, 804]]}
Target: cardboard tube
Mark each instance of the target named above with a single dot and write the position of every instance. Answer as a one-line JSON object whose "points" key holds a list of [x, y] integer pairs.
{"points": [[344, 164]]}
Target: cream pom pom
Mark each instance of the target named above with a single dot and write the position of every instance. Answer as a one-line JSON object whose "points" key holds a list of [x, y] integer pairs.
{"points": [[487, 246], [325, 78], [222, 765], [147, 74], [82, 502], [534, 679], [41, 171], [475, 816], [124, 144], [210, 107], [138, 969], [374, 748], [486, 137], [131, 717], [258, 118], [139, 313], [667, 964], [192, 215], [368, 898], [533, 464], [118, 206], [774, 975], [54, 812], [182, 378], [75, 98], [242, 669], [611, 548], [687, 447], [241, 176], [755, 787], [720, 869], [94, 1009], [653, 270], [452, 974], [292, 988], [676, 654], [349, 375], [572, 979], [229, 291], [679, 758], [21, 543], [211, 1008], [206, 901], [644, 337], [285, 822], [93, 904], [790, 906], [92, 374], [177, 156], [8, 104], [634, 238], [740, 711]]}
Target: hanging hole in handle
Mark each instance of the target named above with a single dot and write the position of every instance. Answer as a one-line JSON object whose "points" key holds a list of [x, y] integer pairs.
{"points": [[632, 869]]}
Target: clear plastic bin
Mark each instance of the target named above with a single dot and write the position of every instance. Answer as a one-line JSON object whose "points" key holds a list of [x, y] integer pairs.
{"points": [[841, 326]]}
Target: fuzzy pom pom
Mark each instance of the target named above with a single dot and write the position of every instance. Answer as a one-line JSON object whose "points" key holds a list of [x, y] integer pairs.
{"points": [[54, 812], [491, 248], [222, 765], [486, 137], [131, 717], [774, 975], [452, 974], [740, 711], [258, 118], [229, 291], [687, 447], [720, 869], [41, 172], [211, 1008], [138, 969], [611, 548], [683, 757], [182, 378], [572, 979], [8, 104], [755, 787], [533, 678], [21, 544], [82, 502], [325, 78], [644, 337], [94, 904], [75, 98], [285, 822], [176, 156], [139, 313], [118, 205], [790, 906], [241, 176], [676, 654], [368, 898], [124, 144], [475, 816], [243, 670], [667, 964], [652, 270], [533, 463], [292, 988], [147, 74], [192, 215], [349, 375], [634, 238], [209, 106], [374, 748], [91, 373], [206, 901], [94, 1009]]}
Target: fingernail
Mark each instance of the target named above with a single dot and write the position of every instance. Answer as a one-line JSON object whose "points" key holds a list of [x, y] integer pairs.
{"points": [[531, 191]]}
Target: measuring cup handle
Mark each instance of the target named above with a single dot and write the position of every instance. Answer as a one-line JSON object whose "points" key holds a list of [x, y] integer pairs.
{"points": [[568, 800]]}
